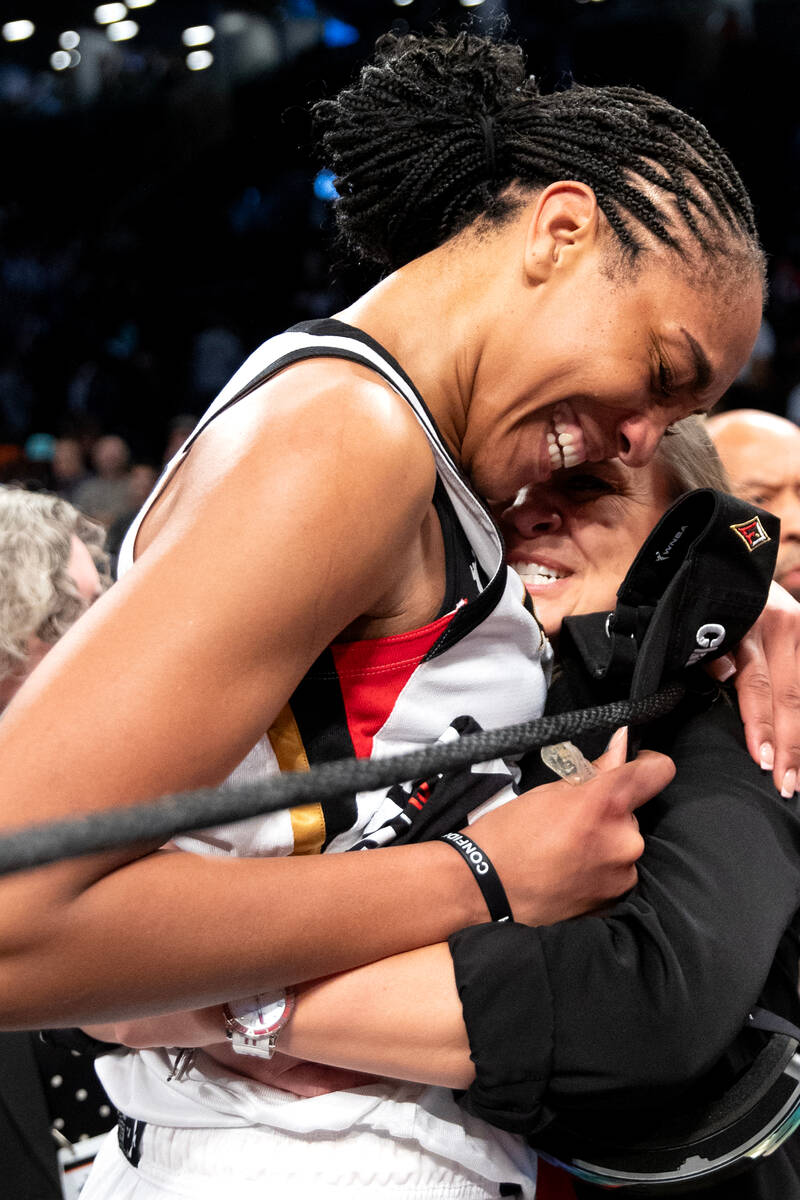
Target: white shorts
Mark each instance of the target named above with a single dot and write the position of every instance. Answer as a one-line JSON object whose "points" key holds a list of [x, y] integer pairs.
{"points": [[261, 1163]]}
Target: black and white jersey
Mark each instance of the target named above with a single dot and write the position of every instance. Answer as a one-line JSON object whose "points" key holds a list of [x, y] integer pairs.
{"points": [[480, 664]]}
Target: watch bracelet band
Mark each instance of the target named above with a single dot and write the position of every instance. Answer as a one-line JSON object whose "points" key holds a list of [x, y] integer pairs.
{"points": [[484, 873], [263, 1047]]}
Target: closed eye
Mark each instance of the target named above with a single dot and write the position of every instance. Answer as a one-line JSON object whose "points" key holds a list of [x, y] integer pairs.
{"points": [[666, 381], [587, 485]]}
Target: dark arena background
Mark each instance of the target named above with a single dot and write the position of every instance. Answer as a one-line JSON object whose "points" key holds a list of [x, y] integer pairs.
{"points": [[162, 210]]}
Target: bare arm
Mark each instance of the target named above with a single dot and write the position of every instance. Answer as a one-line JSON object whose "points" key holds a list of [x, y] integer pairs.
{"points": [[400, 1018], [408, 1020], [177, 671], [166, 684]]}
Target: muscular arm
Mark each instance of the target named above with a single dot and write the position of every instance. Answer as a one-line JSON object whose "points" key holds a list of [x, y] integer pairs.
{"points": [[166, 684], [645, 997], [605, 1008], [289, 524], [400, 1017]]}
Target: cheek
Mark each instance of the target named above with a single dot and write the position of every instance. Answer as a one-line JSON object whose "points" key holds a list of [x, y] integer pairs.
{"points": [[600, 590], [610, 551]]}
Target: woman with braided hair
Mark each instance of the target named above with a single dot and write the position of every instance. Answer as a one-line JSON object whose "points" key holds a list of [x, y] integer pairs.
{"points": [[566, 276]]}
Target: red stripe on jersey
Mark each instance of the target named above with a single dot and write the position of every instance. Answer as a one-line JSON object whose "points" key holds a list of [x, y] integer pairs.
{"points": [[552, 1183], [373, 673]]}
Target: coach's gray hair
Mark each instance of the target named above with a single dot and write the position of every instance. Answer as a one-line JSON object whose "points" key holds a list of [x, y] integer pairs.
{"points": [[37, 596], [689, 459]]}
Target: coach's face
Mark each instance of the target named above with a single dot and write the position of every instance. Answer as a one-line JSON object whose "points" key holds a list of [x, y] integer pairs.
{"points": [[573, 538]]}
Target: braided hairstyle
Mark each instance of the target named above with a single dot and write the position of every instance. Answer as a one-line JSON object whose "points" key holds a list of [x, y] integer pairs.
{"points": [[438, 131]]}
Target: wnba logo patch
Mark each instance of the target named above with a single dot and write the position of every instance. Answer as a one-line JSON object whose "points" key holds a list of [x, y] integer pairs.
{"points": [[752, 533]]}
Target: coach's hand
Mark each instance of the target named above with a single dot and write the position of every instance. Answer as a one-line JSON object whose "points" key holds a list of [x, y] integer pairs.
{"points": [[767, 679]]}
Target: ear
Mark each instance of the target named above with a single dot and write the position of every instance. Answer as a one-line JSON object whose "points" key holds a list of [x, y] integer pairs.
{"points": [[565, 220]]}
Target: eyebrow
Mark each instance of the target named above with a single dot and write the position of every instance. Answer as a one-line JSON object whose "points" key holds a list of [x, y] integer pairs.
{"points": [[769, 485], [702, 367]]}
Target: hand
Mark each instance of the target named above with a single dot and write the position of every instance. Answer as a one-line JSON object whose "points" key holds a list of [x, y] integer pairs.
{"points": [[561, 849], [767, 667], [205, 1027], [196, 1027], [290, 1074]]}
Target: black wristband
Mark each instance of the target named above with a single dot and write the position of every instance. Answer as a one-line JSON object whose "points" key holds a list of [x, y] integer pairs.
{"points": [[486, 877]]}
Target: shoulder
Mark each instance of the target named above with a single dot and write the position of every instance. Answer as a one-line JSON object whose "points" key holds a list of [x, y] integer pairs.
{"points": [[325, 416], [323, 469], [716, 780], [708, 738]]}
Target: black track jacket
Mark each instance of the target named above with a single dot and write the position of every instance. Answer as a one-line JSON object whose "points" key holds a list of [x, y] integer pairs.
{"points": [[609, 1017]]}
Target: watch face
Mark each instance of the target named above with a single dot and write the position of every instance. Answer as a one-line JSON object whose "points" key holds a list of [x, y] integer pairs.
{"points": [[261, 1015]]}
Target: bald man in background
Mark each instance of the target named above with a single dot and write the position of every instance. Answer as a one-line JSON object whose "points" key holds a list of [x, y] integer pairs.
{"points": [[761, 453]]}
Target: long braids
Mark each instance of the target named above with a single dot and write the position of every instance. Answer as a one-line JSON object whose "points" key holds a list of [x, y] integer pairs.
{"points": [[436, 130]]}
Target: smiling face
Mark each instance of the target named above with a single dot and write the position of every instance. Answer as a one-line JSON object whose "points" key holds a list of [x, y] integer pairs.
{"points": [[614, 357], [573, 538]]}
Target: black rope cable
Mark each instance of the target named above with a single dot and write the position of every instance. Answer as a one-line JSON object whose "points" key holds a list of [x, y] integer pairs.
{"points": [[112, 829]]}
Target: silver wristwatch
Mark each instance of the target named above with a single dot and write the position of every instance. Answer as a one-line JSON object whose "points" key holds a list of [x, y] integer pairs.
{"points": [[253, 1025]]}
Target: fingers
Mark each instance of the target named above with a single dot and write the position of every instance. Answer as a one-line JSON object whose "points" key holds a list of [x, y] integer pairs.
{"points": [[722, 668], [636, 782], [615, 752], [786, 726], [768, 690], [754, 693]]}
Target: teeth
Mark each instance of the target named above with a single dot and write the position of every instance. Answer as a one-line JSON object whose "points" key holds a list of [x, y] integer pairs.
{"points": [[535, 573], [565, 442]]}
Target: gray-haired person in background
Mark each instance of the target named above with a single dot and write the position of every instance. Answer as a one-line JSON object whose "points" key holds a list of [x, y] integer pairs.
{"points": [[53, 565]]}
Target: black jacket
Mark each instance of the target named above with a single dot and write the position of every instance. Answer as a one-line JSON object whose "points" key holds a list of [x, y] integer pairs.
{"points": [[614, 1022], [612, 1018]]}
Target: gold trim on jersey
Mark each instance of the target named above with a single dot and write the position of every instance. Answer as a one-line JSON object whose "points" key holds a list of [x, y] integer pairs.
{"points": [[308, 821]]}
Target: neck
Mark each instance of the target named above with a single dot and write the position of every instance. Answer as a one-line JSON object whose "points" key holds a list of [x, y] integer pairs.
{"points": [[430, 315]]}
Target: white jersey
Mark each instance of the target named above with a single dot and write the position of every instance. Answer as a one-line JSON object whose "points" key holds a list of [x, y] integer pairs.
{"points": [[480, 665]]}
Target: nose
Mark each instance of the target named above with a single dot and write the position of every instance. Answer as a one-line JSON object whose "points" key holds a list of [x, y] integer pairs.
{"points": [[637, 439], [533, 512]]}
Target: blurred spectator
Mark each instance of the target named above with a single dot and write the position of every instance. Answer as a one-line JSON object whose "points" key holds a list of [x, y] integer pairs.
{"points": [[104, 495], [39, 448], [761, 453], [179, 429], [32, 464], [69, 467], [141, 479], [11, 456], [52, 567]]}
